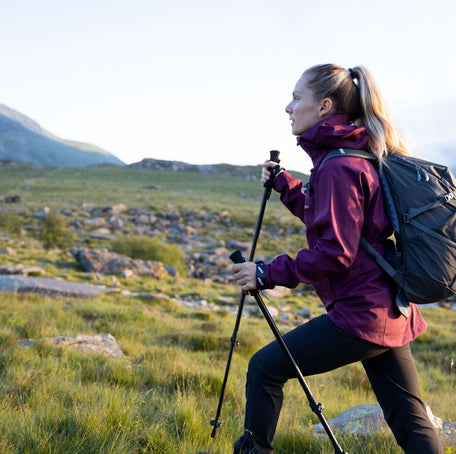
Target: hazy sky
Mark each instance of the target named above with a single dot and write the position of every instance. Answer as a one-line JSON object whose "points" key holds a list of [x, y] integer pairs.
{"points": [[207, 81]]}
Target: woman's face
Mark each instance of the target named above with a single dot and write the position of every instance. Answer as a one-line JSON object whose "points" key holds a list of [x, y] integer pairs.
{"points": [[304, 111]]}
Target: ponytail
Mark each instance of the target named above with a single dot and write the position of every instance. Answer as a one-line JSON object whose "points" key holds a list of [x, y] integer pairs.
{"points": [[355, 93], [383, 135]]}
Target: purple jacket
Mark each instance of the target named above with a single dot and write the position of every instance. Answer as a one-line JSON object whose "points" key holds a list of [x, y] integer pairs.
{"points": [[344, 203]]}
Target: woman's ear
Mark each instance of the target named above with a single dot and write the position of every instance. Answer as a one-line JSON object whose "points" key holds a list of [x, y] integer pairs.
{"points": [[325, 107]]}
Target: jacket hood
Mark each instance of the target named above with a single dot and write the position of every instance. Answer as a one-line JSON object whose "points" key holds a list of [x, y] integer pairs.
{"points": [[332, 132]]}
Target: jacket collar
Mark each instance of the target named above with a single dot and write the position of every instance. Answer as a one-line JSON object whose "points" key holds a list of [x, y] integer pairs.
{"points": [[329, 133]]}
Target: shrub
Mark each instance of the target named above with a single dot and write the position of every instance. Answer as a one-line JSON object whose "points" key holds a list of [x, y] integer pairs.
{"points": [[54, 231], [10, 222], [153, 249]]}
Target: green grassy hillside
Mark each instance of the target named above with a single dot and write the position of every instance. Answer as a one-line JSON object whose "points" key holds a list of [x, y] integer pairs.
{"points": [[161, 396]]}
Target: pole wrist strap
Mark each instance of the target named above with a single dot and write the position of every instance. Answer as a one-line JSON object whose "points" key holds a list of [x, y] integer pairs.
{"points": [[260, 275]]}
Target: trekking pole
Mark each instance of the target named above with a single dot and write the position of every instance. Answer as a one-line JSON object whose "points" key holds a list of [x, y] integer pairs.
{"points": [[274, 157], [315, 406]]}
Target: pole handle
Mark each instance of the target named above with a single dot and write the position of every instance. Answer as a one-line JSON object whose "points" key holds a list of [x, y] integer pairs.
{"points": [[236, 257], [274, 157]]}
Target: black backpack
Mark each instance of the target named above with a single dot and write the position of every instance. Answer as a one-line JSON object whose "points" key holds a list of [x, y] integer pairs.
{"points": [[420, 198]]}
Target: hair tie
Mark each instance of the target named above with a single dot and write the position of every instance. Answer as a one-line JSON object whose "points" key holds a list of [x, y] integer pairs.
{"points": [[353, 76]]}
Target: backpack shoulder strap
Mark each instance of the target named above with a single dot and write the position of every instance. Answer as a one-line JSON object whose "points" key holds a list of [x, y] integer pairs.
{"points": [[349, 152], [387, 267]]}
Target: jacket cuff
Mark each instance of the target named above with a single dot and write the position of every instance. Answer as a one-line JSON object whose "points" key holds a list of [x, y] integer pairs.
{"points": [[268, 284], [281, 180]]}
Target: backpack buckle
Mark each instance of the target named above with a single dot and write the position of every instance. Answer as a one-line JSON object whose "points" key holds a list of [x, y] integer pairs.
{"points": [[405, 218], [447, 197]]}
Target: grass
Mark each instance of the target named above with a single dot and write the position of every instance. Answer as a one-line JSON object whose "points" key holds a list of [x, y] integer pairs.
{"points": [[161, 396]]}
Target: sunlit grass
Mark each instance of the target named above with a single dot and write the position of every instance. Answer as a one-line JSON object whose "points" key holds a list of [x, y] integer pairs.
{"points": [[160, 397]]}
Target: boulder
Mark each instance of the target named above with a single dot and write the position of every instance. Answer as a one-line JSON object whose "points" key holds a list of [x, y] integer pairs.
{"points": [[362, 420], [115, 209], [105, 262], [8, 251], [85, 343], [11, 199], [49, 286]]}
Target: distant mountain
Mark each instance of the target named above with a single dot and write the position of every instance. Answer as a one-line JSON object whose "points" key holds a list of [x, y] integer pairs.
{"points": [[24, 140]]}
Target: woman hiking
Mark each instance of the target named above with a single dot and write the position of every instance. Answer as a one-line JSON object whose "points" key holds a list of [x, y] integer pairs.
{"points": [[333, 107]]}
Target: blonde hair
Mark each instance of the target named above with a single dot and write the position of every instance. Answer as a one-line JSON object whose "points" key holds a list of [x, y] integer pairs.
{"points": [[355, 93]]}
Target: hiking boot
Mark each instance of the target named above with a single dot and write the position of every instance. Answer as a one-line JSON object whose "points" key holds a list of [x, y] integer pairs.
{"points": [[245, 444]]}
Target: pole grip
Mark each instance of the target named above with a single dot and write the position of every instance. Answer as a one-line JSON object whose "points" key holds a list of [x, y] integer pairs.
{"points": [[274, 156], [236, 257]]}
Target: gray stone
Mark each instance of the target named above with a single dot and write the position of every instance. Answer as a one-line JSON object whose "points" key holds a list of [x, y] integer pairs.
{"points": [[127, 273], [115, 209], [105, 262], [8, 251], [117, 223], [11, 269], [305, 313], [101, 233], [171, 271], [85, 343], [362, 420], [11, 199], [359, 420], [241, 245], [33, 271], [95, 222], [43, 213], [49, 286]]}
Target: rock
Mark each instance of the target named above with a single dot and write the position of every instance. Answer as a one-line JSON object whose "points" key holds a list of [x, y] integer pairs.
{"points": [[241, 245], [364, 419], [49, 286], [115, 209], [95, 222], [156, 296], [359, 420], [11, 269], [8, 251], [254, 310], [305, 313], [33, 271], [117, 223], [142, 219], [287, 316], [153, 187], [105, 262], [171, 271], [100, 234], [43, 213], [96, 343], [276, 292], [66, 212], [11, 199], [173, 217], [224, 300], [127, 273]]}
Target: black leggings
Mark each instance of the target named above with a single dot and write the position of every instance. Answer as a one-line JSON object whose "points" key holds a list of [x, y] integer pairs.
{"points": [[320, 346]]}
